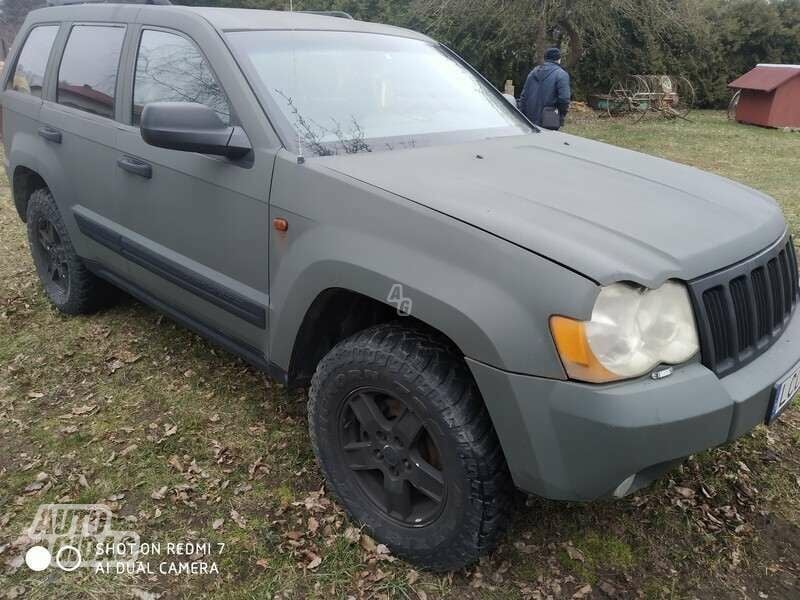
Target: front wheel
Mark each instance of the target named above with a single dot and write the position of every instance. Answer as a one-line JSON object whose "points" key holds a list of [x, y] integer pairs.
{"points": [[406, 445]]}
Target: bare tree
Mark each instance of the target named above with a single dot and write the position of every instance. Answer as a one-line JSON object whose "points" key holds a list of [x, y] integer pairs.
{"points": [[11, 18]]}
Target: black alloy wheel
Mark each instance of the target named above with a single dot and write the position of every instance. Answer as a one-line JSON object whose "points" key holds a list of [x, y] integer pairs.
{"points": [[50, 256], [407, 447], [392, 455], [67, 282]]}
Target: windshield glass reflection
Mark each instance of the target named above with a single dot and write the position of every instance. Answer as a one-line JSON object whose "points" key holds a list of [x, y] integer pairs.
{"points": [[346, 93]]}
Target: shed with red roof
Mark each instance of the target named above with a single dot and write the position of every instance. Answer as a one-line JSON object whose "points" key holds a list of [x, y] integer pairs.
{"points": [[770, 96]]}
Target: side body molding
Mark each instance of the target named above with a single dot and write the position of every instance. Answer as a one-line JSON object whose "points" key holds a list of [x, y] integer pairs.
{"points": [[198, 285]]}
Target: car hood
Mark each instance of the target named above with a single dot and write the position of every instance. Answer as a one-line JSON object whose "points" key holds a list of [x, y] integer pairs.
{"points": [[608, 213]]}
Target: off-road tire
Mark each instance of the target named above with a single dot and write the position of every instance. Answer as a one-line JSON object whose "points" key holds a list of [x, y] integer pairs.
{"points": [[430, 375], [80, 292]]}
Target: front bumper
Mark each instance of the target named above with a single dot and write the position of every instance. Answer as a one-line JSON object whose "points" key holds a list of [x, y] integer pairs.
{"points": [[571, 441]]}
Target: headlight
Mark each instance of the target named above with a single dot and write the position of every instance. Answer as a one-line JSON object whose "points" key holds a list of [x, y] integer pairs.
{"points": [[632, 330]]}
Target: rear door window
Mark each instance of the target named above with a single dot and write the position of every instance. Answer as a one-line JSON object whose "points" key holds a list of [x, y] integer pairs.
{"points": [[170, 68], [87, 78], [28, 75]]}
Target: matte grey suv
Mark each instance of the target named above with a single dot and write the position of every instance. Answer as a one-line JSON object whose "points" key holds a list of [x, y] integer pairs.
{"points": [[476, 304]]}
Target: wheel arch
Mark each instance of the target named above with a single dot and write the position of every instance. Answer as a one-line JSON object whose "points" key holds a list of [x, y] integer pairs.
{"points": [[33, 165], [24, 182], [336, 314]]}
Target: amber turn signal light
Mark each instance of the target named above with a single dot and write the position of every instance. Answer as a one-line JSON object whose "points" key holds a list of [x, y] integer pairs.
{"points": [[280, 224], [576, 354]]}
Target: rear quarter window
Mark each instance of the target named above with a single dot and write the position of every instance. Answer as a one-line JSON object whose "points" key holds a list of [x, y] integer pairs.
{"points": [[87, 77], [28, 77]]}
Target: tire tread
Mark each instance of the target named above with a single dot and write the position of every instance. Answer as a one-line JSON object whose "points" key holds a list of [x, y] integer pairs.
{"points": [[423, 358], [87, 292]]}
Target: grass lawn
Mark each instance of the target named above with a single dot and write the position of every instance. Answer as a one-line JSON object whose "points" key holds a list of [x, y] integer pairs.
{"points": [[185, 442]]}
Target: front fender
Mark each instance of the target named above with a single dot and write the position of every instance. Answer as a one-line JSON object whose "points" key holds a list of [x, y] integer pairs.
{"points": [[492, 298]]}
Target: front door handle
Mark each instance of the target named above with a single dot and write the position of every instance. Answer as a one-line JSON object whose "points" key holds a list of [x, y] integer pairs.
{"points": [[50, 134], [135, 166]]}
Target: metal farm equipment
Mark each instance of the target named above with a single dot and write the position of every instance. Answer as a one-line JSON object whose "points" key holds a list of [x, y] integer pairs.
{"points": [[639, 95]]}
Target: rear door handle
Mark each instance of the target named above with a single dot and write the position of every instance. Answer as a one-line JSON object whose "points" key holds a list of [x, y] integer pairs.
{"points": [[135, 166], [50, 134]]}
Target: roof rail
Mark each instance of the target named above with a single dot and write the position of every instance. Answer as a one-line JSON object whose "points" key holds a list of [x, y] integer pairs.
{"points": [[328, 13], [73, 2]]}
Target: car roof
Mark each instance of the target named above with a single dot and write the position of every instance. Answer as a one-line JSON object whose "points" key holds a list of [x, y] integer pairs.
{"points": [[223, 19]]}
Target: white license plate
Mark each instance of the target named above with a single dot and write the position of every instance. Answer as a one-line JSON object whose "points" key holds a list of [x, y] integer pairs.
{"points": [[785, 390]]}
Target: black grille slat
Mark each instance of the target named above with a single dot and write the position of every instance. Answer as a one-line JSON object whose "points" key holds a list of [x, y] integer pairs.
{"points": [[790, 251], [776, 282], [716, 311], [742, 310], [774, 300], [787, 281], [763, 303]]}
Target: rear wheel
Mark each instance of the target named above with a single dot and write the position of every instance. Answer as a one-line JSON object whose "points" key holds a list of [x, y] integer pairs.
{"points": [[67, 282], [406, 445]]}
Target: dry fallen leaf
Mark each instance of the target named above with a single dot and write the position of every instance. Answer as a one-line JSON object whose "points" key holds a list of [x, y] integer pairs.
{"points": [[115, 365], [575, 554], [141, 594], [238, 519], [217, 523], [128, 450], [583, 592], [368, 544], [352, 535], [34, 487], [84, 410], [313, 525], [316, 561], [159, 494], [608, 589]]}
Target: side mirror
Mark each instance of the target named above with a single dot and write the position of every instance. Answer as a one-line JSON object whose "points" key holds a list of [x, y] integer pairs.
{"points": [[191, 127]]}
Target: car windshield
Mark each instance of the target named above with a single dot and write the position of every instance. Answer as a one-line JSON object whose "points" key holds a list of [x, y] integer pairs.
{"points": [[344, 92]]}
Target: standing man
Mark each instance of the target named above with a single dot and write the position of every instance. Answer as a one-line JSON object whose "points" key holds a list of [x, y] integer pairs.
{"points": [[546, 95]]}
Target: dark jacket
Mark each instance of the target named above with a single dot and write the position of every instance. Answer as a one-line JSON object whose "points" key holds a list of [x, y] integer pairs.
{"points": [[547, 85]]}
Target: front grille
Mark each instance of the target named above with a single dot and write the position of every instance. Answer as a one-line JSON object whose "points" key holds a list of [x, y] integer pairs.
{"points": [[743, 309]]}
